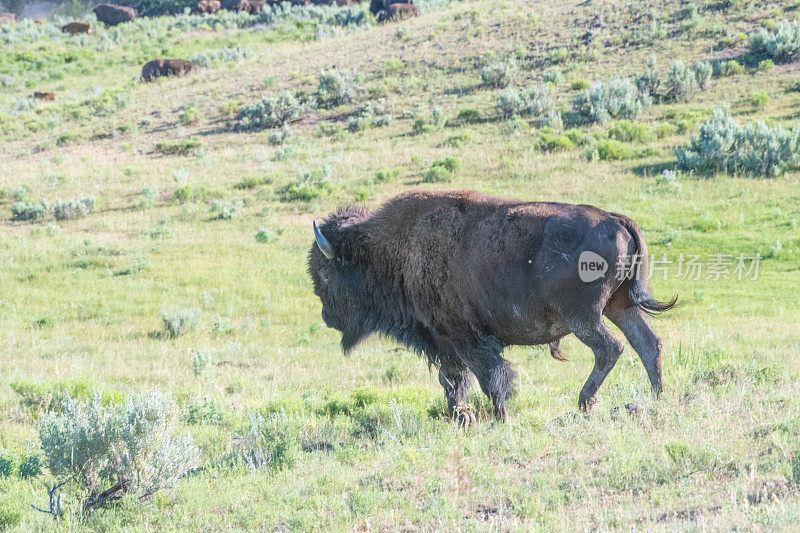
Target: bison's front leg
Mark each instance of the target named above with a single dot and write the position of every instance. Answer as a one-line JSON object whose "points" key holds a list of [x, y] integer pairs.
{"points": [[456, 380]]}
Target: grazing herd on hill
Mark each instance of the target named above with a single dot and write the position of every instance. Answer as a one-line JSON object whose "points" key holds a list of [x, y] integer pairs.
{"points": [[112, 15]]}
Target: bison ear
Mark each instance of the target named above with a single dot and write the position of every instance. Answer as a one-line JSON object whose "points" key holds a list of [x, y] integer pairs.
{"points": [[323, 244]]}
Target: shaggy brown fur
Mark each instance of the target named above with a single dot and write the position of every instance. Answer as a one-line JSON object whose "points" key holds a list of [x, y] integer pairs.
{"points": [[111, 14], [166, 67], [398, 11], [208, 6], [459, 276], [47, 97], [77, 27]]}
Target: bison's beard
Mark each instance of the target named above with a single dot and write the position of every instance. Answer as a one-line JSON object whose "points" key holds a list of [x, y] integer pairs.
{"points": [[351, 336]]}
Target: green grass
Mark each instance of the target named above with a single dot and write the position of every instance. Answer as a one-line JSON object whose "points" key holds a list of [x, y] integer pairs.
{"points": [[361, 441]]}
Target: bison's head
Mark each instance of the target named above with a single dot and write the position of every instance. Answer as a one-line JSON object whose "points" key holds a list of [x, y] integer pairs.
{"points": [[337, 269]]}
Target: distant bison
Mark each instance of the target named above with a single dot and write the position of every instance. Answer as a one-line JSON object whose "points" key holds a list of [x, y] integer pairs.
{"points": [[7, 18], [77, 27], [459, 276], [254, 7], [208, 6], [398, 11], [47, 97], [166, 67], [111, 14]]}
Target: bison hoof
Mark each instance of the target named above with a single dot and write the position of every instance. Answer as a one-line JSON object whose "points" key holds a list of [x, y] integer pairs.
{"points": [[464, 416]]}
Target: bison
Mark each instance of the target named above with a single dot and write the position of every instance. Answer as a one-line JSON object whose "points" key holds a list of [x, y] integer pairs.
{"points": [[77, 27], [458, 276], [47, 97], [111, 14], [398, 11], [166, 67], [7, 18], [254, 7], [208, 6]]}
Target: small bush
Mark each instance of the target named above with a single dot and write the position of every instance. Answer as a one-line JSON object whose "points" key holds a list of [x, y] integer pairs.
{"points": [[469, 115], [681, 82], [649, 81], [499, 74], [666, 129], [189, 116], [579, 85], [459, 140], [723, 145], [265, 235], [183, 147], [759, 98], [552, 75], [559, 55], [793, 87], [442, 170], [308, 186], [628, 131], [202, 362], [272, 112], [23, 211], [730, 67], [537, 101], [385, 174], [611, 150], [781, 44], [177, 322], [668, 181], [273, 442], [72, 209], [338, 87], [225, 210], [553, 143], [509, 103], [766, 65], [703, 73], [621, 99], [114, 450]]}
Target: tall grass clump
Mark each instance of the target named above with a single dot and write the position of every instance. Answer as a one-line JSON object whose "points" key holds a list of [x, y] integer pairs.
{"points": [[176, 322], [219, 56], [620, 98], [756, 149], [128, 448], [272, 112], [781, 44]]}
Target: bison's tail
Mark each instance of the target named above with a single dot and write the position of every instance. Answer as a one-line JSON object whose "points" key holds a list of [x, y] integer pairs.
{"points": [[638, 287]]}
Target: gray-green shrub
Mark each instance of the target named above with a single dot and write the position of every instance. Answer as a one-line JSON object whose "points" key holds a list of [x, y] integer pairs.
{"points": [[338, 87], [500, 74], [535, 101], [621, 98], [178, 321], [781, 44], [112, 450], [272, 112], [681, 82], [756, 149], [72, 209]]}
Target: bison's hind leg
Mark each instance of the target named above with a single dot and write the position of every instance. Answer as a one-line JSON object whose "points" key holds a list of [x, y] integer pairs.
{"points": [[633, 324], [592, 332], [555, 351]]}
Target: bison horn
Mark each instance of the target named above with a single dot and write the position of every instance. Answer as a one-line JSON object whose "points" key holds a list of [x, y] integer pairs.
{"points": [[323, 244]]}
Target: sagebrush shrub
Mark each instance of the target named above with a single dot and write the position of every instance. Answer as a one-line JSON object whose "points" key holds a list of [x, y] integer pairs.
{"points": [[218, 56], [177, 322], [509, 102], [627, 131], [309, 185], [552, 75], [756, 149], [730, 67], [225, 209], [112, 450], [72, 209], [620, 99], [500, 74], [681, 82], [265, 235], [273, 442], [703, 73], [272, 112], [338, 87], [781, 44], [649, 81], [23, 211], [536, 101]]}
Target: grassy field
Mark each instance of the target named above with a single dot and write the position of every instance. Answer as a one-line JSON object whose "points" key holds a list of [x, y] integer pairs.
{"points": [[220, 232]]}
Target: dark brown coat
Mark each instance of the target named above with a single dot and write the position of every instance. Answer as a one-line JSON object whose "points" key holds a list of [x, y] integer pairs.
{"points": [[208, 6], [254, 7], [166, 67], [47, 97], [77, 27], [398, 11], [111, 14], [458, 276]]}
